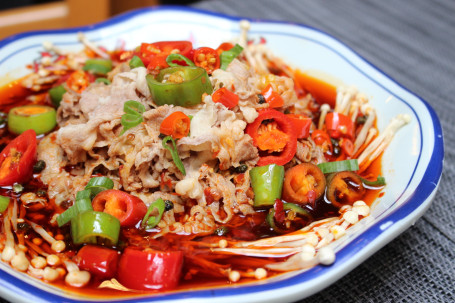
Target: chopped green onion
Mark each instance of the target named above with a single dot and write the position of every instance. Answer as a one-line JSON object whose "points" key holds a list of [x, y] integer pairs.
{"points": [[83, 205], [172, 57], [129, 121], [174, 153], [4, 202], [380, 181], [337, 166], [83, 194], [136, 62], [66, 216], [226, 57], [151, 221], [133, 107], [56, 94], [91, 226], [133, 115], [103, 80], [98, 184], [98, 66]]}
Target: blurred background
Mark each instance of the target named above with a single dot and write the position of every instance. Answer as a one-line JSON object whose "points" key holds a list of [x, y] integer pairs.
{"points": [[27, 15]]}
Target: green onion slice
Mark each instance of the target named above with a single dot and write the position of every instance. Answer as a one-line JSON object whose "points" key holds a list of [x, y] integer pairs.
{"points": [[103, 80], [337, 166], [380, 181], [4, 202], [98, 66], [151, 221], [136, 62], [174, 153], [226, 57], [66, 216], [133, 107], [98, 184], [129, 121], [173, 57]]}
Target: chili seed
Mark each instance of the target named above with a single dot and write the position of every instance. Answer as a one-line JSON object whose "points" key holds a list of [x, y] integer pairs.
{"points": [[168, 205], [23, 226], [261, 99], [18, 188], [241, 168], [39, 166], [361, 119], [41, 193], [221, 231]]}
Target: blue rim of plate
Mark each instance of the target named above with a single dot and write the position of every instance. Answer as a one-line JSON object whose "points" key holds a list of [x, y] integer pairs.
{"points": [[421, 195]]}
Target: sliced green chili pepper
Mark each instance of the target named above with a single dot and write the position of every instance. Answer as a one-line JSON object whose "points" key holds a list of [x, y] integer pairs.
{"points": [[152, 221], [174, 153], [56, 94], [4, 202], [98, 184], [103, 80], [91, 226], [226, 57], [298, 210], [179, 85], [271, 222], [98, 66], [337, 166], [267, 183], [136, 62], [380, 181], [40, 118], [173, 57]]}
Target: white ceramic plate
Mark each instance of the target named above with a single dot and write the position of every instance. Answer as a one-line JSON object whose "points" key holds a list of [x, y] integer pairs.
{"points": [[412, 164]]}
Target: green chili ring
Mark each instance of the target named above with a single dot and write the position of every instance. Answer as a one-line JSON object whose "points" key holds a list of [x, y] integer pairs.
{"points": [[91, 226], [267, 184], [56, 95], [98, 66], [40, 118], [195, 83]]}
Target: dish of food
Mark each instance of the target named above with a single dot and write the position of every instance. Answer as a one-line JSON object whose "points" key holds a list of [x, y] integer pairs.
{"points": [[207, 162]]}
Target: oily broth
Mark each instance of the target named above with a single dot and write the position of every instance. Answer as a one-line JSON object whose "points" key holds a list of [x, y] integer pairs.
{"points": [[193, 276]]}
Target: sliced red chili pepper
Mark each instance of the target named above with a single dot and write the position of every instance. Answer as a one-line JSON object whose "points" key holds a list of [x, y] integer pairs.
{"points": [[150, 270], [284, 132], [347, 146], [224, 47], [273, 98], [99, 261], [279, 211], [226, 97], [176, 125], [303, 183], [339, 125], [322, 139], [163, 49], [302, 125], [17, 159], [127, 208], [206, 58]]}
